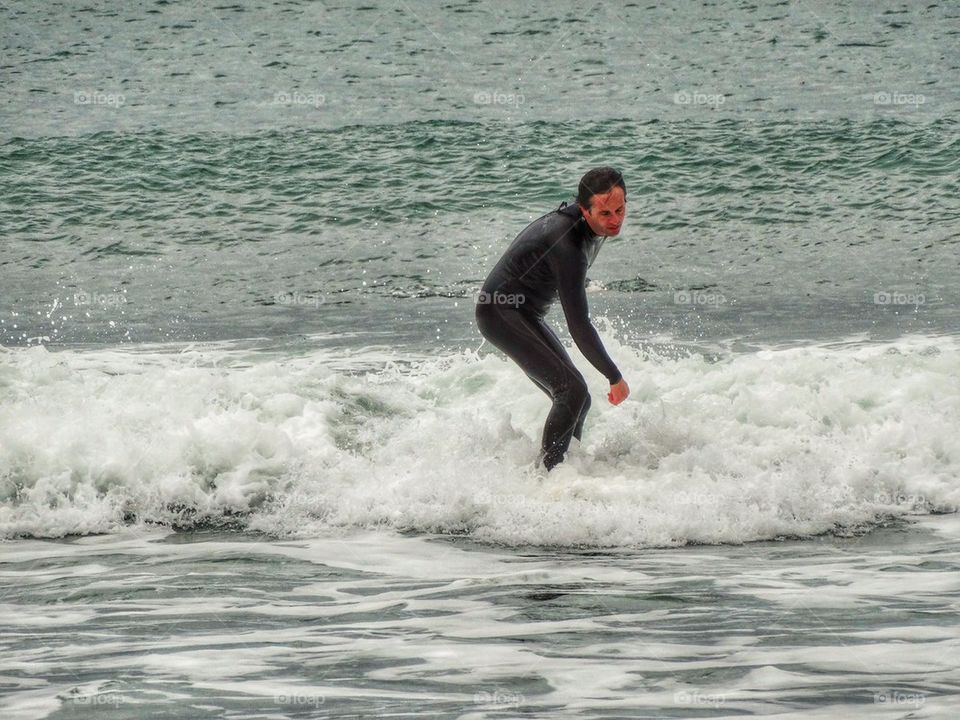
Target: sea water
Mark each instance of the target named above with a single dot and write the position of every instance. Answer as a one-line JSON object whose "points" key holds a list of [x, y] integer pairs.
{"points": [[153, 623], [256, 461]]}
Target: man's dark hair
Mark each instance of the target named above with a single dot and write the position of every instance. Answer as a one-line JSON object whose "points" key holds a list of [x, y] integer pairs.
{"points": [[597, 182]]}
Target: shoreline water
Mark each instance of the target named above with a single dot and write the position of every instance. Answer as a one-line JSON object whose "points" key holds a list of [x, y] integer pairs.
{"points": [[197, 624]]}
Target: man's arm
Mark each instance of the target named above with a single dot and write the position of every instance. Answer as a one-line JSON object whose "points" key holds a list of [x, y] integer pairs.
{"points": [[571, 268]]}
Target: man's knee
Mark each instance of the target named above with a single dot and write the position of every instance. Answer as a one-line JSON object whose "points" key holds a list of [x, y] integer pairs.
{"points": [[578, 393], [581, 418], [586, 404], [575, 396]]}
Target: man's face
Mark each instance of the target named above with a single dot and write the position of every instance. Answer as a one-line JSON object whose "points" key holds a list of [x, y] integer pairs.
{"points": [[606, 212]]}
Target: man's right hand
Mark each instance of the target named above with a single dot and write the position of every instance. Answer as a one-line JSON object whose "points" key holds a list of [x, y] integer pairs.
{"points": [[618, 392]]}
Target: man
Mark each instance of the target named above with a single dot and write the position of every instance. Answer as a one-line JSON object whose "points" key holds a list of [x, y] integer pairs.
{"points": [[550, 259]]}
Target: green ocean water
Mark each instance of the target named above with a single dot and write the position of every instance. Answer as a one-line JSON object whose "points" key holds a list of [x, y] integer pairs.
{"points": [[764, 231], [183, 171]]}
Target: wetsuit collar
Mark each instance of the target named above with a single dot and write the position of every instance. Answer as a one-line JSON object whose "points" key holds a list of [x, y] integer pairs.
{"points": [[572, 209]]}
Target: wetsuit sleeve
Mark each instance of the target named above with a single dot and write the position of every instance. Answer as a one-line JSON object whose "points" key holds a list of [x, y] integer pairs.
{"points": [[571, 269]]}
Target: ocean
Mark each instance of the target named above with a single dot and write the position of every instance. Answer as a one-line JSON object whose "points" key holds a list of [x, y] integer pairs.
{"points": [[256, 460]]}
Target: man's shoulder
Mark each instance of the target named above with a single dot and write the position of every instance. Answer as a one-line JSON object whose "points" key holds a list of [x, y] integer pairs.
{"points": [[569, 209], [556, 223]]}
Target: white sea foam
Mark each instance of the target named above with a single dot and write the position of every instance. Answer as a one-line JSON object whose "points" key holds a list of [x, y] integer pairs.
{"points": [[731, 449], [371, 618]]}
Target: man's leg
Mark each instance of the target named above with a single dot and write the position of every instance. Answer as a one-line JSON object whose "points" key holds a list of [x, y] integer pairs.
{"points": [[554, 341], [536, 349]]}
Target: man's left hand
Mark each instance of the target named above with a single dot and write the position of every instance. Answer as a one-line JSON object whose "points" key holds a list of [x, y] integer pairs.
{"points": [[618, 392]]}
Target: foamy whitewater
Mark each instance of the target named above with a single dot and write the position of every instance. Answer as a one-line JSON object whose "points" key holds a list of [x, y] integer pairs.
{"points": [[718, 447]]}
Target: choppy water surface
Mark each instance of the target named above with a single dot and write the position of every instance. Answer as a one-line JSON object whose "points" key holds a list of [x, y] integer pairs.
{"points": [[255, 463], [212, 625], [792, 167]]}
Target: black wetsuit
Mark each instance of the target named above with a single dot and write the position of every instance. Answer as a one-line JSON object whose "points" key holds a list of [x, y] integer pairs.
{"points": [[548, 259]]}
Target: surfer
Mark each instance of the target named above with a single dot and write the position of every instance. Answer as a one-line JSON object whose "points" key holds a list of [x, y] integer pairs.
{"points": [[549, 259]]}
